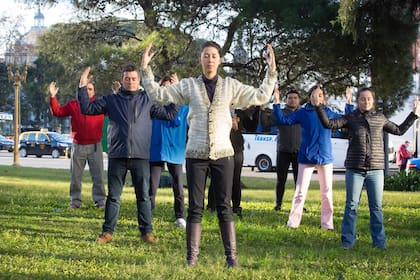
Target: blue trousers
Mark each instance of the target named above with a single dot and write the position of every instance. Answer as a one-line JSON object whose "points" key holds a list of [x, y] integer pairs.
{"points": [[140, 174], [374, 182]]}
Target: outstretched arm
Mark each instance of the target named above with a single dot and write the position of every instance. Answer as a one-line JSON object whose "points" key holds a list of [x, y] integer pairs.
{"points": [[97, 106], [416, 107], [327, 122], [270, 58], [349, 95], [147, 56], [53, 89], [56, 109], [85, 78], [392, 128]]}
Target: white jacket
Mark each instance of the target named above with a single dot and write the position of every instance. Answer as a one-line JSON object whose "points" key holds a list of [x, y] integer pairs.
{"points": [[209, 122]]}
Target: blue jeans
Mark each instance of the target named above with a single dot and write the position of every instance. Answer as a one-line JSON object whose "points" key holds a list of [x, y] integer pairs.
{"points": [[374, 182], [140, 174]]}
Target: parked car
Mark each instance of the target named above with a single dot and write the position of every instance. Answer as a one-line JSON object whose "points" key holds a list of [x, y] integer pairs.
{"points": [[6, 144], [413, 164], [40, 143]]}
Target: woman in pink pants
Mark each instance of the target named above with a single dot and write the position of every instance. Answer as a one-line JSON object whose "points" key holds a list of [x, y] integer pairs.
{"points": [[315, 152]]}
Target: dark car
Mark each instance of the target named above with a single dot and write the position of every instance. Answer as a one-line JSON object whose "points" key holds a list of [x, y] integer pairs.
{"points": [[42, 143], [6, 144]]}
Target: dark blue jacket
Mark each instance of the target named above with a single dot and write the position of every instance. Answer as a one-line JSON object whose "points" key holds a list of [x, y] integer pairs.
{"points": [[315, 146], [130, 120]]}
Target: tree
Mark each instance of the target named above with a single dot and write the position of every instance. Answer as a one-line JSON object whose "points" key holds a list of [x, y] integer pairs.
{"points": [[309, 46], [6, 91], [387, 29]]}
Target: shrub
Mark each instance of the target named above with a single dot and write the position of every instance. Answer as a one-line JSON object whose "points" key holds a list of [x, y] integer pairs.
{"points": [[402, 182]]}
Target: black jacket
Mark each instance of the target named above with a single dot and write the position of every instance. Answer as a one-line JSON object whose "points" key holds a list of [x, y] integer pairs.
{"points": [[366, 145], [288, 139], [130, 120]]}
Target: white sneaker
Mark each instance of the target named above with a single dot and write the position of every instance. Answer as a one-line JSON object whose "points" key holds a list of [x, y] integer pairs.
{"points": [[180, 222]]}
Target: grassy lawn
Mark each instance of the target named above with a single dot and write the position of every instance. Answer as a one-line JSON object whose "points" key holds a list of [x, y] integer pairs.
{"points": [[40, 238]]}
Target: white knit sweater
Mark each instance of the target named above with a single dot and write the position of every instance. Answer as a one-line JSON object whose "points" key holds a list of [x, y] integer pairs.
{"points": [[209, 122]]}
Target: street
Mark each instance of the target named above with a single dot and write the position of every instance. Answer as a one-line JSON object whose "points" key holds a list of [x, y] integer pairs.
{"points": [[6, 158]]}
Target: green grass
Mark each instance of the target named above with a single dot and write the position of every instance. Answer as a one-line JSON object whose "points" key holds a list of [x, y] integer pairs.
{"points": [[40, 238]]}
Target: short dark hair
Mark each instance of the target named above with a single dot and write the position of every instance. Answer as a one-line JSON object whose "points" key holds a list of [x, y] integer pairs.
{"points": [[165, 79], [212, 44], [290, 91], [130, 68]]}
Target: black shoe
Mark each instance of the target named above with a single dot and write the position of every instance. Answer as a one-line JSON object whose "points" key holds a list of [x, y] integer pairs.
{"points": [[238, 211], [277, 208], [304, 210]]}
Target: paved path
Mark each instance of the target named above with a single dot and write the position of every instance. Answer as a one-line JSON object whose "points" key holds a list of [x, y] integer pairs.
{"points": [[6, 158]]}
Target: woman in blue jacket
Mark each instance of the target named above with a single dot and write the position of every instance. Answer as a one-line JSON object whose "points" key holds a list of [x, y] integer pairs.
{"points": [[315, 152]]}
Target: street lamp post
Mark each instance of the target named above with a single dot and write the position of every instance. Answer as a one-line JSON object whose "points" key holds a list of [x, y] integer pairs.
{"points": [[14, 60]]}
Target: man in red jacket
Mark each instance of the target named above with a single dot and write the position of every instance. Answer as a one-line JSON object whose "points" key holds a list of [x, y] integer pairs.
{"points": [[86, 134], [403, 154]]}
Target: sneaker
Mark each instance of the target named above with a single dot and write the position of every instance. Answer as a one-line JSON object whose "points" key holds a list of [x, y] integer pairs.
{"points": [[328, 229], [104, 237], [238, 211], [277, 208], [149, 238], [100, 204], [180, 222]]}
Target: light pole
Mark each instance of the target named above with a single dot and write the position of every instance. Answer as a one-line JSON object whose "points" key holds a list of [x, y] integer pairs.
{"points": [[14, 60]]}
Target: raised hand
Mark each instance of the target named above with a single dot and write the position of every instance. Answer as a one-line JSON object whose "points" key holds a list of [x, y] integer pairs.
{"points": [[116, 85], [276, 95], [349, 95], [147, 56], [174, 78], [53, 89], [416, 106], [270, 58], [315, 97], [235, 123], [85, 78]]}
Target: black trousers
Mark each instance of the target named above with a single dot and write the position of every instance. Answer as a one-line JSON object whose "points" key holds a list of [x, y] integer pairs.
{"points": [[175, 170], [221, 174], [236, 187], [283, 162]]}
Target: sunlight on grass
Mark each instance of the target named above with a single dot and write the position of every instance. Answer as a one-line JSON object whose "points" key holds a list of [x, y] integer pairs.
{"points": [[43, 239]]}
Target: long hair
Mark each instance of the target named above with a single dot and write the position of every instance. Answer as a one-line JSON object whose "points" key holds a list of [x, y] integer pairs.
{"points": [[308, 98]]}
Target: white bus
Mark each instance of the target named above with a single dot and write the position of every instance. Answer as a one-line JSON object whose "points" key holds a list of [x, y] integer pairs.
{"points": [[260, 151]]}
